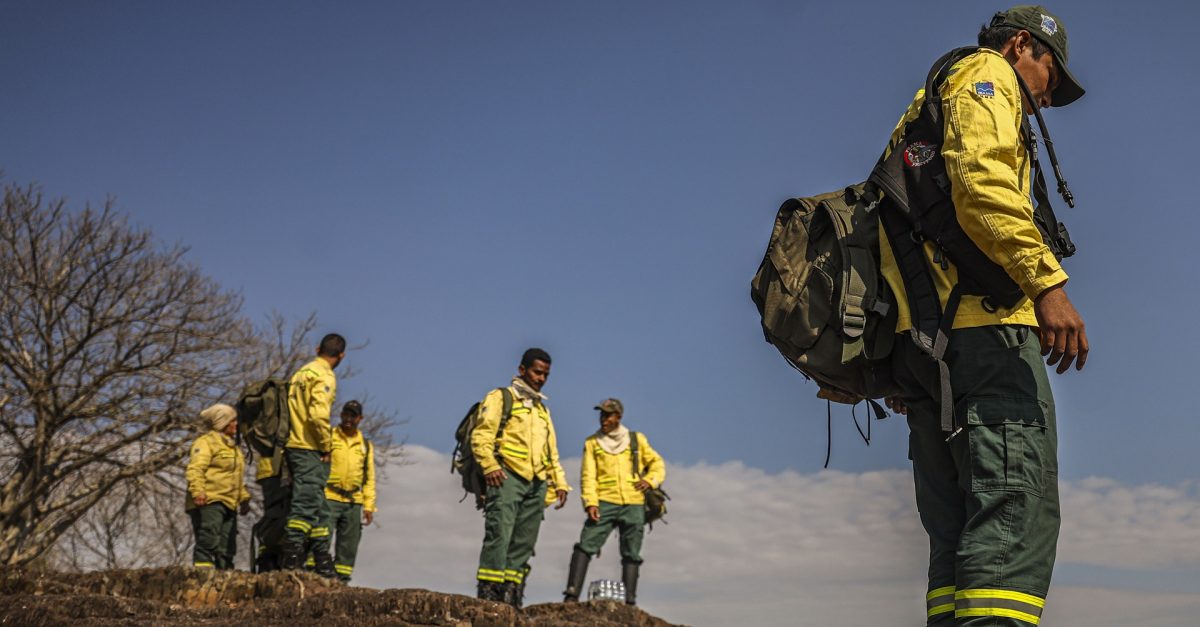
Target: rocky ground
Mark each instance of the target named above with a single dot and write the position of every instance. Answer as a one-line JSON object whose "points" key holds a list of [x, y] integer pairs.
{"points": [[177, 596]]}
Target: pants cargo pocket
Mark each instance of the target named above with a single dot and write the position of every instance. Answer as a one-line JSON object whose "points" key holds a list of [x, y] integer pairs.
{"points": [[1008, 444]]}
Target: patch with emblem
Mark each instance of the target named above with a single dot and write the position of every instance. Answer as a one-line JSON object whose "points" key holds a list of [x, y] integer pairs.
{"points": [[987, 90], [918, 154], [327, 389], [1049, 26]]}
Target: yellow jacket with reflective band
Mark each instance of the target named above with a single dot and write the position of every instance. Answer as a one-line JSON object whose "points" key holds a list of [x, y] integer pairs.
{"points": [[528, 446], [988, 168], [346, 470], [216, 469], [610, 478], [311, 395]]}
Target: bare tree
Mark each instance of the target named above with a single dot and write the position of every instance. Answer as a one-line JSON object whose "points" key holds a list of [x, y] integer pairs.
{"points": [[111, 345]]}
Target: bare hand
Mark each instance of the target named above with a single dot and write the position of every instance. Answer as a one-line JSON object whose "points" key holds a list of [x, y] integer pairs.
{"points": [[593, 512], [562, 499], [495, 478], [642, 485], [368, 517], [895, 404], [325, 457], [201, 499], [244, 508], [1061, 329]]}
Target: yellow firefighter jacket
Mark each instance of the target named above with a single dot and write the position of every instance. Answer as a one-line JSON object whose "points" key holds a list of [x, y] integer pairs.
{"points": [[528, 446], [346, 481], [310, 402], [216, 469], [610, 478], [988, 168]]}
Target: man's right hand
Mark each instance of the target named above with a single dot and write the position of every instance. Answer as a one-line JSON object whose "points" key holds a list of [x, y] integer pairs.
{"points": [[495, 478], [1061, 328], [593, 512]]}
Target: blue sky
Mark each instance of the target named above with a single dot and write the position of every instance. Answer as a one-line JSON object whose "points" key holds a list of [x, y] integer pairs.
{"points": [[458, 181]]}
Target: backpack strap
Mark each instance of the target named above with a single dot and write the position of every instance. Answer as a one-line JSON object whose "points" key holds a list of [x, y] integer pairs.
{"points": [[366, 461], [633, 449], [507, 395]]}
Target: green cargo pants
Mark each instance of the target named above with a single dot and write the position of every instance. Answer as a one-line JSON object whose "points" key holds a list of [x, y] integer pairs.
{"points": [[988, 497], [630, 521], [309, 509], [513, 515], [215, 529], [346, 521]]}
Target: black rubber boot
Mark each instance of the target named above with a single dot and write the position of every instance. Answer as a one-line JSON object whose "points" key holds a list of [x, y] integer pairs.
{"points": [[323, 565], [515, 592], [490, 591], [576, 575], [293, 557], [629, 576]]}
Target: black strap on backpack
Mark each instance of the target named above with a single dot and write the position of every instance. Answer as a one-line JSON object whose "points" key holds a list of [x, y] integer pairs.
{"points": [[633, 449], [917, 207], [507, 413]]}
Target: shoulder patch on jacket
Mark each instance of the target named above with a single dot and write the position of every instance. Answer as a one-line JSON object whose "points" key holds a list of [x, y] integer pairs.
{"points": [[985, 89]]}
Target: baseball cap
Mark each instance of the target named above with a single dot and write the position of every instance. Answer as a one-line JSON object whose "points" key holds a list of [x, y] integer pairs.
{"points": [[611, 406], [1046, 26], [354, 408]]}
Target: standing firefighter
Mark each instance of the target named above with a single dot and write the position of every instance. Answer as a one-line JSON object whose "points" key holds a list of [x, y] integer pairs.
{"points": [[618, 467], [518, 462], [351, 488], [311, 395], [216, 489], [986, 470]]}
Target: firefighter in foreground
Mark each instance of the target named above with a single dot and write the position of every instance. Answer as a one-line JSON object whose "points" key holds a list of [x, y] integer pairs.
{"points": [[351, 488], [518, 463], [613, 479], [311, 395], [216, 489], [987, 491]]}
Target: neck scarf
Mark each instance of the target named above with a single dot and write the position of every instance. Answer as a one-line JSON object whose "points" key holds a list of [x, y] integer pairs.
{"points": [[614, 443], [526, 391]]}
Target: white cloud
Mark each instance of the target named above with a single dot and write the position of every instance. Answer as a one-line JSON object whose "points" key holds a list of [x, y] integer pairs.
{"points": [[747, 547]]}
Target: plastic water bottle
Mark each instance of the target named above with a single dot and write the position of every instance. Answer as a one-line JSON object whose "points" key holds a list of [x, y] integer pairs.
{"points": [[606, 590]]}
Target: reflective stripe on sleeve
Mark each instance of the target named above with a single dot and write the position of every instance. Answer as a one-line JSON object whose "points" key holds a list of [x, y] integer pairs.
{"points": [[1004, 603], [939, 601]]}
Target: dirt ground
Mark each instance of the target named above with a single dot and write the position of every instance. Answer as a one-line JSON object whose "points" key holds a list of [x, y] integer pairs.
{"points": [[178, 596]]}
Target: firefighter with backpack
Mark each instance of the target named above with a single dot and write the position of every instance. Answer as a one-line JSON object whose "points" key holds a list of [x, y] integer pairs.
{"points": [[618, 469], [350, 491], [513, 442], [216, 489], [311, 394]]}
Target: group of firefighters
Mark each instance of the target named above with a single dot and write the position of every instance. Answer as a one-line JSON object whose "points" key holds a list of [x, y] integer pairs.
{"points": [[323, 484]]}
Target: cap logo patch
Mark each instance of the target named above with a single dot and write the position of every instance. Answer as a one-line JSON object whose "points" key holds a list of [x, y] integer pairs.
{"points": [[919, 153], [1049, 26], [986, 90]]}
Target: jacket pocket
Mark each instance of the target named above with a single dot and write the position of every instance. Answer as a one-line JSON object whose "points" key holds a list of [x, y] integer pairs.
{"points": [[1008, 444]]}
